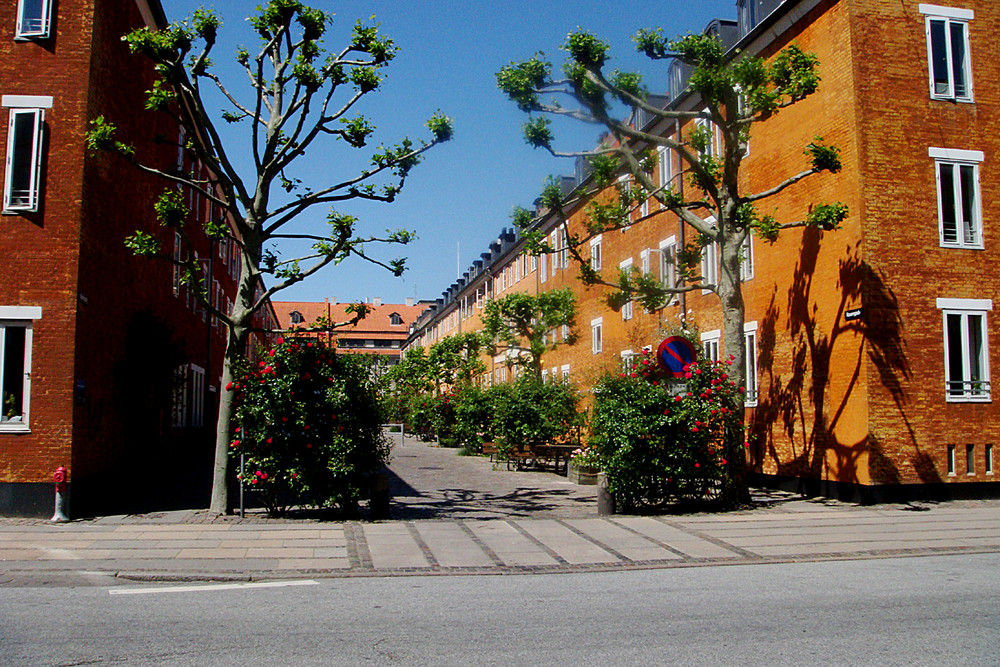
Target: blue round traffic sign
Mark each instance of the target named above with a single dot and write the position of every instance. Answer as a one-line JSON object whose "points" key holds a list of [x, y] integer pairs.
{"points": [[674, 354]]}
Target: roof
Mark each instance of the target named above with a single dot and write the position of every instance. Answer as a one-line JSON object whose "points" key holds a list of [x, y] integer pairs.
{"points": [[378, 320]]}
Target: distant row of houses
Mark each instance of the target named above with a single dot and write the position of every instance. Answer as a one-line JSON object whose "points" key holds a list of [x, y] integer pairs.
{"points": [[868, 349]]}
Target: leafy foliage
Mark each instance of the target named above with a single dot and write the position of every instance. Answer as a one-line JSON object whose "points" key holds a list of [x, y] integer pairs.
{"points": [[520, 324], [531, 412], [309, 426]]}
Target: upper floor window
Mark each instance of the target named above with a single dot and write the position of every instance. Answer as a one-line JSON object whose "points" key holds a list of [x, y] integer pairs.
{"points": [[948, 59], [959, 211], [746, 258], [666, 168], [23, 172], [710, 344], [396, 320], [597, 335], [595, 253], [296, 317], [33, 19], [966, 369], [747, 15], [668, 265], [626, 267]]}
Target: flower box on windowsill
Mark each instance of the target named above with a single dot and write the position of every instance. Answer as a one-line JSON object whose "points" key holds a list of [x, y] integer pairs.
{"points": [[581, 475]]}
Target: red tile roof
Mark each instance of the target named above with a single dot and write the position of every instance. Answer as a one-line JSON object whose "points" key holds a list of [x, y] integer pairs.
{"points": [[378, 320]]}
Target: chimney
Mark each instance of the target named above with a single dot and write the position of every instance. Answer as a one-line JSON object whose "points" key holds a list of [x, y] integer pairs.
{"points": [[377, 301], [409, 301]]}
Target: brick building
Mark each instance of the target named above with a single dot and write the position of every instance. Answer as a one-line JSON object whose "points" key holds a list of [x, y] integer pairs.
{"points": [[869, 348], [109, 366], [382, 332]]}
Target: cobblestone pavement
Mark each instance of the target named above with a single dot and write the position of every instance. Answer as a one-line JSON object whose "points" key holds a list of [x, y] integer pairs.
{"points": [[459, 515]]}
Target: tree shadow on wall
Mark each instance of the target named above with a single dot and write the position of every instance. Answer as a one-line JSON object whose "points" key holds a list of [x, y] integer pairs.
{"points": [[797, 397]]}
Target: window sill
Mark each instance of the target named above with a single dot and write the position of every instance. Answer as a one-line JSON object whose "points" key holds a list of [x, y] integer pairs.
{"points": [[956, 246], [7, 427], [953, 100], [968, 399]]}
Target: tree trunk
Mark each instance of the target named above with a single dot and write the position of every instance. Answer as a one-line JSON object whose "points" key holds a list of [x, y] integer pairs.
{"points": [[235, 348], [735, 488]]}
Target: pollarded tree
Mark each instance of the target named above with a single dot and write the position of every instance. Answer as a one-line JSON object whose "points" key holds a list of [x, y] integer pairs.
{"points": [[734, 92], [300, 96], [455, 360], [520, 324]]}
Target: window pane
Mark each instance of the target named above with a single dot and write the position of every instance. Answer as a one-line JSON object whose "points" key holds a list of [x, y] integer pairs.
{"points": [[958, 58], [939, 58], [13, 371], [947, 194], [22, 159], [956, 376], [32, 17], [977, 369], [967, 175]]}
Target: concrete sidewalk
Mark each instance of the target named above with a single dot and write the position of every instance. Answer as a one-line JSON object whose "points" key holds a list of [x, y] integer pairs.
{"points": [[176, 546], [462, 515]]}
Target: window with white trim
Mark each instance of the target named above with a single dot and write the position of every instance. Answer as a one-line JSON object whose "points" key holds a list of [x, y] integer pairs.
{"points": [[627, 311], [709, 265], [628, 358], [565, 372], [23, 171], [644, 261], [33, 19], [746, 259], [15, 366], [948, 59], [596, 335], [750, 363], [970, 460], [543, 273], [665, 166], [966, 349], [951, 460], [624, 186], [959, 210], [595, 253], [563, 239], [710, 344], [710, 146], [668, 265], [988, 459]]}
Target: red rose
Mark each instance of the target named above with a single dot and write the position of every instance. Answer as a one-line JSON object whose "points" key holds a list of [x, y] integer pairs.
{"points": [[280, 340]]}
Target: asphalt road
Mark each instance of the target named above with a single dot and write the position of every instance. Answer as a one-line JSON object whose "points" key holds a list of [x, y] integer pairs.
{"points": [[936, 610]]}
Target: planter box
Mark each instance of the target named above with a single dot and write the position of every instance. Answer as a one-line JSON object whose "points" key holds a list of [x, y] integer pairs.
{"points": [[578, 475]]}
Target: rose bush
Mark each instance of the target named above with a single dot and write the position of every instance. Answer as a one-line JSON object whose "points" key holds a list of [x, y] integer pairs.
{"points": [[309, 426], [530, 412], [660, 441]]}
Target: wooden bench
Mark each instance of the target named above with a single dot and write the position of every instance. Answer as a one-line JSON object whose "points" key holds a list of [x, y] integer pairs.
{"points": [[491, 449]]}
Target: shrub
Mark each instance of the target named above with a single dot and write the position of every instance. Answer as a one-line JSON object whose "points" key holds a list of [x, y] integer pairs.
{"points": [[420, 415], [473, 412], [531, 412], [656, 443], [310, 426]]}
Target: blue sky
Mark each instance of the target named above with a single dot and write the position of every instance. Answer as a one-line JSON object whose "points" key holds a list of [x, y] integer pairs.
{"points": [[460, 197]]}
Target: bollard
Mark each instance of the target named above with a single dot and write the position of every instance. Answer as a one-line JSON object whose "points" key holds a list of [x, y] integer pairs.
{"points": [[605, 499], [59, 477], [378, 503]]}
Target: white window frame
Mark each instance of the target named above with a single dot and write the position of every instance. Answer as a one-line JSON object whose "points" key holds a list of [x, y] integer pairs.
{"points": [[625, 182], [543, 274], [967, 392], [709, 266], [951, 460], [30, 109], [750, 364], [597, 335], [595, 253], [627, 357], [627, 309], [711, 150], [746, 259], [951, 18], [957, 161], [18, 317], [668, 265], [988, 458], [564, 370], [970, 460], [710, 344], [562, 237], [665, 166], [197, 376], [34, 27]]}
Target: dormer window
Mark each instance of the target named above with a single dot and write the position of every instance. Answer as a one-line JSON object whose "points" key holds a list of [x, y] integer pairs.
{"points": [[395, 320], [296, 317], [675, 77]]}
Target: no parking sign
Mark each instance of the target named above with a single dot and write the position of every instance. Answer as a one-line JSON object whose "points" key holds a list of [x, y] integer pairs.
{"points": [[674, 354]]}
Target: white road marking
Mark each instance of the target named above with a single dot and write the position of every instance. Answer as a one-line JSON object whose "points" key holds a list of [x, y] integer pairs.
{"points": [[210, 587]]}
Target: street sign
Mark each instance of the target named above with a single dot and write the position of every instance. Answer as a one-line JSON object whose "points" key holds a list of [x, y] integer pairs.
{"points": [[854, 314], [674, 354]]}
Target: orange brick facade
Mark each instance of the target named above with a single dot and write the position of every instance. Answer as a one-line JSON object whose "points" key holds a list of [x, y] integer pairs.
{"points": [[854, 407]]}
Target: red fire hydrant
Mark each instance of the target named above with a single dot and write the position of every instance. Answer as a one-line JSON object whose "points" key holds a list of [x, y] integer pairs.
{"points": [[59, 477]]}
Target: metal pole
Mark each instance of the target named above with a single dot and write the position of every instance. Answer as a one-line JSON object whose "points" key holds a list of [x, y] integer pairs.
{"points": [[241, 480]]}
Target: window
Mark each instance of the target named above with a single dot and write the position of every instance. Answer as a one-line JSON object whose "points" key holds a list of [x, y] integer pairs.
{"points": [[197, 396], [564, 333], [595, 253], [668, 265], [395, 319], [33, 19], [710, 148], [948, 60], [988, 459], [542, 271], [951, 460], [22, 176], [179, 408], [624, 191], [627, 311], [628, 357], [970, 460], [666, 168], [746, 259], [644, 261], [296, 317], [747, 15], [959, 216], [178, 244], [709, 266], [563, 247], [534, 262], [596, 337], [710, 344], [565, 372], [966, 367], [675, 77], [750, 361], [15, 366]]}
